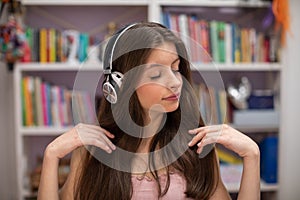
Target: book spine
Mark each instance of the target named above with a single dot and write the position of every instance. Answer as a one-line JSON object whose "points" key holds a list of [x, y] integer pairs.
{"points": [[44, 103], [228, 43], [38, 100], [214, 40], [43, 45], [221, 41], [52, 47]]}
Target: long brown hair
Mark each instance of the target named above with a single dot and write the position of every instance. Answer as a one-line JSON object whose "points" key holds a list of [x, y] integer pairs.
{"points": [[99, 181]]}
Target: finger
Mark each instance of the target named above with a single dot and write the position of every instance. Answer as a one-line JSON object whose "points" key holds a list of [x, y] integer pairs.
{"points": [[98, 135], [208, 129], [204, 132], [98, 143], [209, 139], [94, 127], [108, 141], [197, 138], [199, 150]]}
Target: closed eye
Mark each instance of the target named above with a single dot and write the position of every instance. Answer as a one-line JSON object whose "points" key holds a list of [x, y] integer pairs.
{"points": [[176, 70], [155, 76]]}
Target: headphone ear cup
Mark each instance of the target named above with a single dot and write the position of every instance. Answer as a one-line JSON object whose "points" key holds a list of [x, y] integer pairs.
{"points": [[117, 79], [112, 86], [109, 93]]}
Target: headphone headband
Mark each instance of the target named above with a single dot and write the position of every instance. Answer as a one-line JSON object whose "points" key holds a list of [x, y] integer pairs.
{"points": [[118, 35]]}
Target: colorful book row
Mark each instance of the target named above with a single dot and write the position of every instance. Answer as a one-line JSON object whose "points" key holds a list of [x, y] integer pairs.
{"points": [[222, 42], [213, 105], [44, 104], [51, 45]]}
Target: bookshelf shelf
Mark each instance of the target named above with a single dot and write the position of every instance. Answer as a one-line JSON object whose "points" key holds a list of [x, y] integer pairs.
{"points": [[43, 131], [216, 3], [58, 67], [266, 187], [208, 3], [256, 128], [195, 66], [88, 2], [237, 66]]}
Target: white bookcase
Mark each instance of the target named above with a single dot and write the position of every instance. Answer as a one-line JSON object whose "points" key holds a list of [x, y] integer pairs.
{"points": [[26, 135]]}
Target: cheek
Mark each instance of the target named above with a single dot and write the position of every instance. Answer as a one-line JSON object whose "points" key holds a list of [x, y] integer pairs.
{"points": [[179, 76], [149, 95]]}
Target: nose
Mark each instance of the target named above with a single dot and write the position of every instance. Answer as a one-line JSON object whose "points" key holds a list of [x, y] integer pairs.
{"points": [[174, 81]]}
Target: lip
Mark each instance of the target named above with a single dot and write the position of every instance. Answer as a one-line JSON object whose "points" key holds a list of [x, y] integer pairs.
{"points": [[173, 97]]}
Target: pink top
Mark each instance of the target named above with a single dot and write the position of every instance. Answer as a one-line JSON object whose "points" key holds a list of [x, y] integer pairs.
{"points": [[145, 187]]}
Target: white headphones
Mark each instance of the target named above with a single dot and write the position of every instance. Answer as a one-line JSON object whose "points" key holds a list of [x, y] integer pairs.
{"points": [[114, 79]]}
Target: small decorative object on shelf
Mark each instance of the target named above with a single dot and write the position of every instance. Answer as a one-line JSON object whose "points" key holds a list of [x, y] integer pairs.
{"points": [[13, 45], [281, 12], [71, 46], [239, 94], [93, 55]]}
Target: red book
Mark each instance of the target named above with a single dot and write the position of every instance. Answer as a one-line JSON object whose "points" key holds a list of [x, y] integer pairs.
{"points": [[267, 49]]}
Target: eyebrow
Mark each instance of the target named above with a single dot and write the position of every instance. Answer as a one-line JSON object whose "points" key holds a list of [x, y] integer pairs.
{"points": [[177, 59], [157, 64]]}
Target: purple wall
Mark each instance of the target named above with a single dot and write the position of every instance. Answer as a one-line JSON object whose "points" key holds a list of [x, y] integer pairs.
{"points": [[89, 19]]}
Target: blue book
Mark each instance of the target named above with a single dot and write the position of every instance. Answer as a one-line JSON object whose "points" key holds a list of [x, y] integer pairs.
{"points": [[269, 159]]}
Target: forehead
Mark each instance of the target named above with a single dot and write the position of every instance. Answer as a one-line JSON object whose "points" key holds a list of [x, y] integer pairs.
{"points": [[163, 54]]}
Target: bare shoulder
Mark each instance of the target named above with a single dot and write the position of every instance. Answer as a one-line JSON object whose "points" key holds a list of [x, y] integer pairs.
{"points": [[67, 191]]}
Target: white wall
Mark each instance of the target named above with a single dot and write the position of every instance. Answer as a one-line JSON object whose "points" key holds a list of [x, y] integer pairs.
{"points": [[289, 167], [7, 150]]}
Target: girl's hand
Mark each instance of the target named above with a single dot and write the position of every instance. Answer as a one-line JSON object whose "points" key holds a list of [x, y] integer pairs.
{"points": [[81, 134], [227, 136]]}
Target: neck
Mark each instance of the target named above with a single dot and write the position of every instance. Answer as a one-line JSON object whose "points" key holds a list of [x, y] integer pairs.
{"points": [[153, 121]]}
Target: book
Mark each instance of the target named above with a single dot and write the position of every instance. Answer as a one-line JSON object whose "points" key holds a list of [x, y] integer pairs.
{"points": [[205, 41], [213, 25], [184, 31], [55, 96], [28, 94], [227, 157], [23, 102], [43, 45], [228, 43], [236, 43], [221, 41], [38, 101], [269, 159]]}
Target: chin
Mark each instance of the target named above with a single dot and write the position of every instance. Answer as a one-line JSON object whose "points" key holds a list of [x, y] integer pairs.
{"points": [[171, 108], [164, 108]]}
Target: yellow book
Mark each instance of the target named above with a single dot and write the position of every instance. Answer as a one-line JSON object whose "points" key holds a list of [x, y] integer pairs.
{"points": [[43, 45], [223, 106], [28, 101], [52, 45], [227, 157]]}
